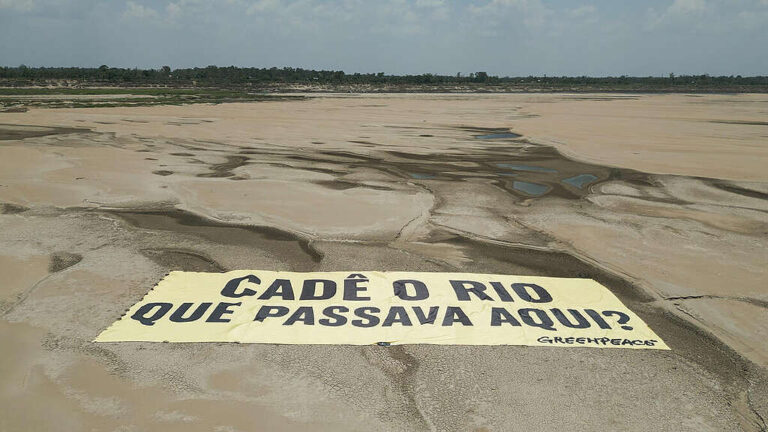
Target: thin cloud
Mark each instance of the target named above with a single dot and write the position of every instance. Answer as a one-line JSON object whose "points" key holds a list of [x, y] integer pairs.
{"points": [[135, 10], [18, 5]]}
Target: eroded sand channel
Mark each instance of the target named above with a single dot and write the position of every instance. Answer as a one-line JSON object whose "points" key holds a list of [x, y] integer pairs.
{"points": [[660, 198]]}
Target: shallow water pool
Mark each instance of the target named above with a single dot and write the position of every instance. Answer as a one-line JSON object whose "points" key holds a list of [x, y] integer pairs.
{"points": [[534, 189], [580, 180]]}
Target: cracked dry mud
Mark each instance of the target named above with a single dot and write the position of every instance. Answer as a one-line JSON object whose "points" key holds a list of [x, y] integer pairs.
{"points": [[663, 199]]}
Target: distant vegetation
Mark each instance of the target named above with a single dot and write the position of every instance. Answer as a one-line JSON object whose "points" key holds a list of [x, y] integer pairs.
{"points": [[287, 78], [94, 97]]}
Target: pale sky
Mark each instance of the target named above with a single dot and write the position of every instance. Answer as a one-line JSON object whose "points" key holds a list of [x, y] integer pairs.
{"points": [[502, 37]]}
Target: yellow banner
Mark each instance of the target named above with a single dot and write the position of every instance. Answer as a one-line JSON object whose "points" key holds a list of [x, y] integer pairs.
{"points": [[369, 307]]}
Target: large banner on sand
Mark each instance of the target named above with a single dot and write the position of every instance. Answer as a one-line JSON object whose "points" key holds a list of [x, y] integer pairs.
{"points": [[373, 307]]}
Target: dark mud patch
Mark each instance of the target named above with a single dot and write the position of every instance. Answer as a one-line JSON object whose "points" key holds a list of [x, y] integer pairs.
{"points": [[751, 193], [491, 133], [421, 176], [506, 135], [62, 260], [337, 184], [526, 170], [750, 300], [483, 130], [342, 156], [19, 132], [365, 143], [344, 185], [521, 260], [413, 156], [601, 98], [297, 252], [181, 123], [412, 127], [8, 208], [162, 173], [741, 122], [182, 154], [185, 260], [225, 169], [308, 168]]}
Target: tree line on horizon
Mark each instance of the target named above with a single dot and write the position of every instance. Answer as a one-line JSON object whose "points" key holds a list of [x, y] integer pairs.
{"points": [[231, 75]]}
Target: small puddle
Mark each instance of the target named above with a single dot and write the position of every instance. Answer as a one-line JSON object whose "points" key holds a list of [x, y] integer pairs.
{"points": [[498, 135], [580, 180], [534, 189], [530, 168]]}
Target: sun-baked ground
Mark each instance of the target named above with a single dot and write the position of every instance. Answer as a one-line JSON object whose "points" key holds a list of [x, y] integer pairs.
{"points": [[663, 199]]}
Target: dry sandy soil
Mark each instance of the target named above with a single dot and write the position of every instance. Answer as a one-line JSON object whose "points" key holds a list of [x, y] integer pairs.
{"points": [[663, 199]]}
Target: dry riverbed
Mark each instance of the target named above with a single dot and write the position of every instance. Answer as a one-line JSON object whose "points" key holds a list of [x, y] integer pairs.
{"points": [[663, 199]]}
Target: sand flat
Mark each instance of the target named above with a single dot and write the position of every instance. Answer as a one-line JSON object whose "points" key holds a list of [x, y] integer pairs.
{"points": [[671, 213]]}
